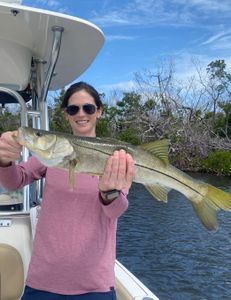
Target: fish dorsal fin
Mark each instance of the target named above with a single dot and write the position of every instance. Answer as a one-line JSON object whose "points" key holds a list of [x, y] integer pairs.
{"points": [[158, 148], [158, 191]]}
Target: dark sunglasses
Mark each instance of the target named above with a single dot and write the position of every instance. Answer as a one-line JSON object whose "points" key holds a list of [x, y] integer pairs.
{"points": [[89, 109]]}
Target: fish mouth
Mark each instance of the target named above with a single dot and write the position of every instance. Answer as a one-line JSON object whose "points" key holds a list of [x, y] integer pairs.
{"points": [[23, 138]]}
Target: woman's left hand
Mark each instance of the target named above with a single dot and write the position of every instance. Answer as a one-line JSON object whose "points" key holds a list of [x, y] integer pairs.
{"points": [[118, 173]]}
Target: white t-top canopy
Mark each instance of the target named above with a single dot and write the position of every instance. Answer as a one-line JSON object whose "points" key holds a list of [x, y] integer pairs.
{"points": [[26, 33]]}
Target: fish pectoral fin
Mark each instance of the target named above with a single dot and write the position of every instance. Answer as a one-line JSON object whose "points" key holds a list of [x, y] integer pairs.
{"points": [[158, 148], [215, 199], [158, 191], [72, 165]]}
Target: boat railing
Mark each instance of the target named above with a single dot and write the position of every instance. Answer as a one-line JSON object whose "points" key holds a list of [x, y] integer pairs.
{"points": [[39, 112]]}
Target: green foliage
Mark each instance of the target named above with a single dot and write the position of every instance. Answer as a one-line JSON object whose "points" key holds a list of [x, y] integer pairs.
{"points": [[8, 120], [226, 124], [149, 105], [130, 101], [218, 162], [208, 115], [220, 90], [217, 71], [222, 122], [56, 115], [140, 117], [102, 129], [129, 107], [58, 121], [131, 136]]}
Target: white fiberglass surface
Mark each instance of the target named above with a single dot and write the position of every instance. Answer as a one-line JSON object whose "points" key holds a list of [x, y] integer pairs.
{"points": [[29, 32]]}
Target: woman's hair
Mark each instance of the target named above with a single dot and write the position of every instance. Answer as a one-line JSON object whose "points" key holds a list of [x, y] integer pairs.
{"points": [[79, 86]]}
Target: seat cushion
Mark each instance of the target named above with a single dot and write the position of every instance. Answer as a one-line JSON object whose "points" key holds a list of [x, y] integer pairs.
{"points": [[11, 273]]}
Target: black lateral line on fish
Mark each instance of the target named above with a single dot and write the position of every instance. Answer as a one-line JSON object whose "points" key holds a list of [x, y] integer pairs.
{"points": [[125, 148], [103, 152], [169, 177]]}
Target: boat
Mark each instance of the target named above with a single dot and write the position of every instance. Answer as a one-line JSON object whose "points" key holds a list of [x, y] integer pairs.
{"points": [[41, 51]]}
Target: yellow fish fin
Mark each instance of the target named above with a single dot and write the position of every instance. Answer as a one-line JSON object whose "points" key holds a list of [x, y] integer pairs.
{"points": [[158, 148], [72, 165], [214, 200], [158, 191], [220, 199], [206, 213]]}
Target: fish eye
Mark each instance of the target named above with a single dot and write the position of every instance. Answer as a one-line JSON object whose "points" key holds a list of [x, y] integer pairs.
{"points": [[38, 134]]}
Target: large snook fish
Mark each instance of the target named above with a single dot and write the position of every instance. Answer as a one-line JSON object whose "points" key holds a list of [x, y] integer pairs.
{"points": [[153, 170]]}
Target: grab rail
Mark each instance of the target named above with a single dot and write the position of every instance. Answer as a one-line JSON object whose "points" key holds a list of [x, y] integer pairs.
{"points": [[24, 122]]}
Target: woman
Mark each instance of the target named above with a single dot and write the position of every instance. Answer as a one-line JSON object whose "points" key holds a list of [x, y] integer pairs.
{"points": [[74, 247]]}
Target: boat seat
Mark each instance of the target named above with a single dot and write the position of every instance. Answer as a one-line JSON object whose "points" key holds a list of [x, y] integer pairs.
{"points": [[10, 202], [11, 273]]}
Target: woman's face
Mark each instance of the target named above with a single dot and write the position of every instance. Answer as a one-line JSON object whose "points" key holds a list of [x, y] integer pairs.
{"points": [[83, 123]]}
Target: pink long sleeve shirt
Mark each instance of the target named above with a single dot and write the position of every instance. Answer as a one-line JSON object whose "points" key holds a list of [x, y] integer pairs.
{"points": [[75, 240]]}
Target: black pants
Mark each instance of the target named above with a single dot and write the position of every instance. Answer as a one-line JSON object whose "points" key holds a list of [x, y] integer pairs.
{"points": [[33, 294]]}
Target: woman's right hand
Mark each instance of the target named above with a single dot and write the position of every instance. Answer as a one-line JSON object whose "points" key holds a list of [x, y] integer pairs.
{"points": [[10, 150]]}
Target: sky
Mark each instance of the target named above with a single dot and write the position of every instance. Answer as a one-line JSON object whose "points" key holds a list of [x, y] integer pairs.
{"points": [[140, 34]]}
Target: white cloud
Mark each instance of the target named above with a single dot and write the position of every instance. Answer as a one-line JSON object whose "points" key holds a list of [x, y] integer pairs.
{"points": [[114, 92], [186, 64], [53, 3], [161, 12], [120, 37], [50, 3], [125, 86], [112, 18], [207, 5], [214, 38], [219, 41], [137, 12], [47, 4]]}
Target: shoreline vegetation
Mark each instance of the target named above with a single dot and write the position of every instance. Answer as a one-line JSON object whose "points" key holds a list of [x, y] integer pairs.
{"points": [[194, 115]]}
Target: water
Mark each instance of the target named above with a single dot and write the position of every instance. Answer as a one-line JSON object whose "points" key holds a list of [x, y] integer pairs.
{"points": [[168, 249]]}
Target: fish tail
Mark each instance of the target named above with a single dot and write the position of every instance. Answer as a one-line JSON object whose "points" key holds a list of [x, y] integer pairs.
{"points": [[215, 199]]}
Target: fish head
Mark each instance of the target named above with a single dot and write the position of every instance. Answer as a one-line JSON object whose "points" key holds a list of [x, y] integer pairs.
{"points": [[51, 149]]}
